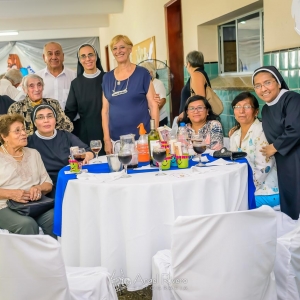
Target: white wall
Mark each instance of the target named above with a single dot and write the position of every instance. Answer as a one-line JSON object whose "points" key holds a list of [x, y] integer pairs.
{"points": [[140, 20]]}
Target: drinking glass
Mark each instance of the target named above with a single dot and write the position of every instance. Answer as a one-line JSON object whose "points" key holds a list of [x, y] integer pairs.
{"points": [[199, 146], [125, 156], [79, 155], [96, 146], [159, 154]]}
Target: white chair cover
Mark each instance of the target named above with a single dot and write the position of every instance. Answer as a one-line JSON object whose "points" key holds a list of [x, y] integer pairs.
{"points": [[228, 256], [285, 223], [31, 267], [287, 266]]}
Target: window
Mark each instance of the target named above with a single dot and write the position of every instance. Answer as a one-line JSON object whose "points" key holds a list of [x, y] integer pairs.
{"points": [[241, 44]]}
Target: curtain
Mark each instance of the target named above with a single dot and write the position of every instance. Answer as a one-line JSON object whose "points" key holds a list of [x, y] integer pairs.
{"points": [[31, 52]]}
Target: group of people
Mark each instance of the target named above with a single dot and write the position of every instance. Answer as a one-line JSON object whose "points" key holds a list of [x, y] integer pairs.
{"points": [[272, 145], [61, 110]]}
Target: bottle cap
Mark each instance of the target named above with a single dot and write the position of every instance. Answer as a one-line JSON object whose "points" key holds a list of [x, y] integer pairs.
{"points": [[142, 129], [182, 124]]}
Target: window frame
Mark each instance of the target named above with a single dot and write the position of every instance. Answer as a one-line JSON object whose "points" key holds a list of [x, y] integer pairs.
{"points": [[221, 41]]}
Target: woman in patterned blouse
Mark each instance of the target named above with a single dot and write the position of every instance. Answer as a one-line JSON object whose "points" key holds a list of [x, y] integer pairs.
{"points": [[200, 119], [33, 86], [248, 136]]}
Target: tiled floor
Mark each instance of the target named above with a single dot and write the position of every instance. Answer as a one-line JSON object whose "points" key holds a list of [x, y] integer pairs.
{"points": [[145, 294]]}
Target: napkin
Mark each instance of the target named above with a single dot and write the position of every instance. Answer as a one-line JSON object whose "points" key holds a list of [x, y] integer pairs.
{"points": [[147, 167], [103, 177], [220, 162]]}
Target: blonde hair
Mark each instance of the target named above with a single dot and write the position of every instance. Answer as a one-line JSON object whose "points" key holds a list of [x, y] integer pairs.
{"points": [[150, 67], [119, 38]]}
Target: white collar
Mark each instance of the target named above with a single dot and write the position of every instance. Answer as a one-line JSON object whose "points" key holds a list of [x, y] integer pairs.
{"points": [[61, 73], [46, 137], [277, 98], [92, 75]]}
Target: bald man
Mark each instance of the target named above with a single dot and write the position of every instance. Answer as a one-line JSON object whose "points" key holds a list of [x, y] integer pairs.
{"points": [[56, 76]]}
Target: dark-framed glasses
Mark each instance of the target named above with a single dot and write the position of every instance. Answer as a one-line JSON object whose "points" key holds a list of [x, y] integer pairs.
{"points": [[42, 117], [198, 108], [245, 107], [84, 57], [265, 84]]}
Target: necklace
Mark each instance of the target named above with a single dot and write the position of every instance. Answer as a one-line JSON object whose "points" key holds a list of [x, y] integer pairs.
{"points": [[14, 156], [117, 93]]}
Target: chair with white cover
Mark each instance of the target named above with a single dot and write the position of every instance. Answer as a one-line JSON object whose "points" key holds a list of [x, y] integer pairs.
{"points": [[31, 267], [227, 256], [287, 265]]}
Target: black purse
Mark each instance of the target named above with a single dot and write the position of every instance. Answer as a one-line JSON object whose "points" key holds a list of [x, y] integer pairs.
{"points": [[225, 153], [32, 208]]}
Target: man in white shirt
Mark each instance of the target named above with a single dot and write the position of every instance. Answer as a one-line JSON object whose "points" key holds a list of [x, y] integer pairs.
{"points": [[57, 78], [9, 84]]}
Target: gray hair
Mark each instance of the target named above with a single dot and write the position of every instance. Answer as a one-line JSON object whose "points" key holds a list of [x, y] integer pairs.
{"points": [[195, 58], [150, 67], [14, 75], [52, 42], [29, 76]]}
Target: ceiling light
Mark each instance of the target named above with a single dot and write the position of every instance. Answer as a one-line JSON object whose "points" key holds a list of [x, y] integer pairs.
{"points": [[5, 33], [243, 22]]}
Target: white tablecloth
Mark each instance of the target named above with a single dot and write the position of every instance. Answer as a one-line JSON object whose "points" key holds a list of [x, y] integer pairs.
{"points": [[120, 225]]}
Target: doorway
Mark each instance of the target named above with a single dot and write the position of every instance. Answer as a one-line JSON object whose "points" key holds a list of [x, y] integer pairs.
{"points": [[175, 52]]}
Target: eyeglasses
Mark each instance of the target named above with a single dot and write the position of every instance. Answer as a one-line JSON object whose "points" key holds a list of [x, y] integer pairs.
{"points": [[265, 84], [18, 131], [198, 108], [42, 117], [245, 107], [84, 57]]}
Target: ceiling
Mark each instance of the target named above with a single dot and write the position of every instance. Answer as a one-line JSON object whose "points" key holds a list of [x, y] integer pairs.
{"points": [[25, 15]]}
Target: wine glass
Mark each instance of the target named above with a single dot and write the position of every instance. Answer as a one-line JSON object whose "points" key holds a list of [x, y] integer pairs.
{"points": [[199, 146], [79, 155], [125, 156], [96, 146], [159, 154]]}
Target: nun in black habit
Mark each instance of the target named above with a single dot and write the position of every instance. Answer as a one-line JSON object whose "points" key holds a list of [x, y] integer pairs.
{"points": [[281, 125], [85, 96]]}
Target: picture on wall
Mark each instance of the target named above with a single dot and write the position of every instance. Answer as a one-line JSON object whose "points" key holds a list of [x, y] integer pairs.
{"points": [[143, 50]]}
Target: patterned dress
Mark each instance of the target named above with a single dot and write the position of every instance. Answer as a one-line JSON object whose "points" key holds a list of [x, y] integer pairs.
{"points": [[264, 169], [212, 132], [25, 107]]}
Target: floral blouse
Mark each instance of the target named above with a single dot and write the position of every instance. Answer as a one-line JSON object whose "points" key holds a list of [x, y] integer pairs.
{"points": [[212, 132], [264, 169], [25, 108]]}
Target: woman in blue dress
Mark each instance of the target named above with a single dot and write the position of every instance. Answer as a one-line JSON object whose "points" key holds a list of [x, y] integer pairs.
{"points": [[128, 96]]}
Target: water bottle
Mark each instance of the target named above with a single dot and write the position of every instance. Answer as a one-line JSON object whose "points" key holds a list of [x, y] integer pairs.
{"points": [[182, 136]]}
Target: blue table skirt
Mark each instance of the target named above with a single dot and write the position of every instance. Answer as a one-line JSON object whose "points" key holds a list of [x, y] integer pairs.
{"points": [[63, 179]]}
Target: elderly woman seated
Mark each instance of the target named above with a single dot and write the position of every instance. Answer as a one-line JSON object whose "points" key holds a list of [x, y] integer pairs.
{"points": [[23, 179], [200, 119], [33, 86], [248, 136], [53, 144]]}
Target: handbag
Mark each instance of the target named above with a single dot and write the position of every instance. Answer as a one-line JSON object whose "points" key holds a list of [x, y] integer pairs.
{"points": [[225, 153], [32, 208], [213, 99]]}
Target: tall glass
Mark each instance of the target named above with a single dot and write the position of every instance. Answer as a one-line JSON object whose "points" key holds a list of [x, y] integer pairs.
{"points": [[199, 146], [125, 156], [96, 146], [159, 154]]}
